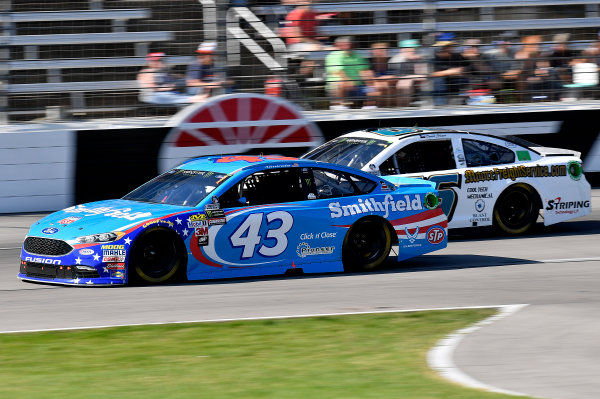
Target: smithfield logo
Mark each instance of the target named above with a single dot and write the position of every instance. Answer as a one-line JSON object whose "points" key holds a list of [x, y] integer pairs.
{"points": [[406, 203], [86, 251], [50, 230], [305, 250], [436, 235]]}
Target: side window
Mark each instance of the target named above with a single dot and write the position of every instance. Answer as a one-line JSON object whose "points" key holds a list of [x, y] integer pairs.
{"points": [[420, 156], [481, 153], [333, 183], [265, 187]]}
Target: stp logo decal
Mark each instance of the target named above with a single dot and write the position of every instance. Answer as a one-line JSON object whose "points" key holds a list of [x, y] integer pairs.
{"points": [[436, 235], [50, 230]]}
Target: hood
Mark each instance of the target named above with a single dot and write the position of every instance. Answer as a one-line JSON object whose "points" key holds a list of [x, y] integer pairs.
{"points": [[100, 217]]}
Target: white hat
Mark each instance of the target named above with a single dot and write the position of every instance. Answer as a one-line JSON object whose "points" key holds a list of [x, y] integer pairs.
{"points": [[206, 47]]}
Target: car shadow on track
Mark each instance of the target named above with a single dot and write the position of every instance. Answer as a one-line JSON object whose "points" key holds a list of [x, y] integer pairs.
{"points": [[577, 227], [419, 264]]}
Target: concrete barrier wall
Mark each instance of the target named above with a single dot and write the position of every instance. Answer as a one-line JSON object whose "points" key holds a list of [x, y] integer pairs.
{"points": [[50, 169], [37, 170]]}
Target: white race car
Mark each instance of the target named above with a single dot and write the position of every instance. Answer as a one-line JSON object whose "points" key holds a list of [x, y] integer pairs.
{"points": [[482, 180]]}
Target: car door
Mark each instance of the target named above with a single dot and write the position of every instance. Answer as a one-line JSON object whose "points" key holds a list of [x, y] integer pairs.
{"points": [[434, 159], [264, 223]]}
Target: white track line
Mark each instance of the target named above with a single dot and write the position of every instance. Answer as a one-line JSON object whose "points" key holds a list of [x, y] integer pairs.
{"points": [[440, 357], [253, 318]]}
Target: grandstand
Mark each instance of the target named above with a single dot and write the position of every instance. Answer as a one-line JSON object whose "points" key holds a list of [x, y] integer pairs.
{"points": [[78, 59]]}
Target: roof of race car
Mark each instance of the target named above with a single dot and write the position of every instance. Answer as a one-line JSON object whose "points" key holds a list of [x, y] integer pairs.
{"points": [[232, 163], [400, 131]]}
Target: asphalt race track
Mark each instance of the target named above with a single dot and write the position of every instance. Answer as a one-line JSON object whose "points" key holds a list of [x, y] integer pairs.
{"points": [[548, 349]]}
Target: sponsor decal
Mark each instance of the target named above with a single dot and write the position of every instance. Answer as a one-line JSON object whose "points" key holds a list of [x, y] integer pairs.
{"points": [[43, 260], [569, 207], [395, 204], [514, 172], [117, 274], [202, 241], [385, 186], [436, 235], [311, 196], [124, 213], [159, 221], [575, 170], [431, 201], [480, 218], [303, 250], [211, 207], [69, 220], [113, 246], [478, 192], [217, 221], [461, 158], [86, 251], [201, 231], [116, 259], [217, 213], [523, 155], [479, 205], [196, 221], [313, 236], [50, 230], [412, 237], [116, 266]]}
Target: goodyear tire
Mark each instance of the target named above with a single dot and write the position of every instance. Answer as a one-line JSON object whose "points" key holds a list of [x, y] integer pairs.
{"points": [[366, 245], [516, 210], [157, 256]]}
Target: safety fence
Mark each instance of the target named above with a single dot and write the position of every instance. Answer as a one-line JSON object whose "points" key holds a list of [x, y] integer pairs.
{"points": [[122, 58]]}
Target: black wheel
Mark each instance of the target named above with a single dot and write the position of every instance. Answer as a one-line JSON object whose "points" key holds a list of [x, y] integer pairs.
{"points": [[366, 245], [156, 257], [516, 210]]}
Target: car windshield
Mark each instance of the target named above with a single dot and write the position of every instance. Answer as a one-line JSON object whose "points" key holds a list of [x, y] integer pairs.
{"points": [[178, 187], [355, 152]]}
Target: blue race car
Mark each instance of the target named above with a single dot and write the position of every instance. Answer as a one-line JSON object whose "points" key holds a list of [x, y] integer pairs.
{"points": [[237, 216]]}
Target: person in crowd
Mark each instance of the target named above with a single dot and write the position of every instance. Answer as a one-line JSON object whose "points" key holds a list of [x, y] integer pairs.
{"points": [[481, 76], [448, 70], [410, 69], [200, 76], [540, 81], [561, 57], [385, 79], [160, 86], [348, 76], [506, 69], [300, 28]]}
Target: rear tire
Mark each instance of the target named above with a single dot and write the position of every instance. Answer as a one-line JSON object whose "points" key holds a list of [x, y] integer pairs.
{"points": [[516, 210], [366, 245], [157, 256]]}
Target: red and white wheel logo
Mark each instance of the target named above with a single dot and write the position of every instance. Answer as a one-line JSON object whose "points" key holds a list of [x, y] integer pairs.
{"points": [[235, 123]]}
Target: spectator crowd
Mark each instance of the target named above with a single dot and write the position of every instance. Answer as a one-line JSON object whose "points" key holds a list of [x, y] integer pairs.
{"points": [[446, 71]]}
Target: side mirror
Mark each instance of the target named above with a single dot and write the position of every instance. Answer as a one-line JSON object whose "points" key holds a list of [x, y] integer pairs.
{"points": [[242, 200]]}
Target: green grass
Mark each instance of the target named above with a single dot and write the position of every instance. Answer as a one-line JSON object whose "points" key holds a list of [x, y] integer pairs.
{"points": [[362, 356]]}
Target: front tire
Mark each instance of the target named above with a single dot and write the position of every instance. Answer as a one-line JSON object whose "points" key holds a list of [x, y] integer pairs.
{"points": [[516, 210], [156, 257], [366, 245]]}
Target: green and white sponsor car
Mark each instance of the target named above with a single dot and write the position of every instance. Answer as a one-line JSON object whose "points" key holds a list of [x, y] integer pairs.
{"points": [[482, 180]]}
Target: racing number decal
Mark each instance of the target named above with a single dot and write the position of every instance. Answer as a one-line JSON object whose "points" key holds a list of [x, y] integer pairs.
{"points": [[248, 234], [444, 184]]}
